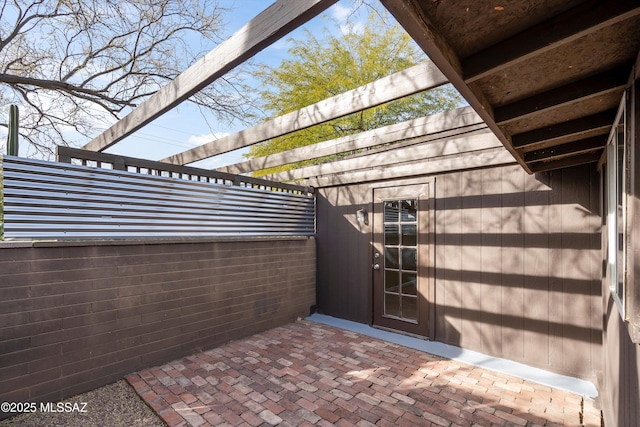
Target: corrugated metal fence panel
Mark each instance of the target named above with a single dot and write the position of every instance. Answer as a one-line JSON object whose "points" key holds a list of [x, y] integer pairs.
{"points": [[47, 200]]}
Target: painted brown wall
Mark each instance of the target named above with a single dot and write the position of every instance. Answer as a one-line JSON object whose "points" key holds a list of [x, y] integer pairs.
{"points": [[73, 318], [344, 252], [620, 386], [517, 264]]}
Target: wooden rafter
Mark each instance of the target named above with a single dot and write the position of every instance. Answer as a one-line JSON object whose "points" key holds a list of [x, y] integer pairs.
{"points": [[588, 145], [611, 80], [523, 65], [600, 122], [404, 83], [413, 19], [273, 23], [580, 159], [577, 22]]}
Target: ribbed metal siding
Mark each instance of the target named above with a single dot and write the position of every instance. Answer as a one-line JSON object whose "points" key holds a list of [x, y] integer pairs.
{"points": [[46, 200]]}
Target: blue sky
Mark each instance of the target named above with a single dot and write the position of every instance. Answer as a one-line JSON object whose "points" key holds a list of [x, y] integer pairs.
{"points": [[184, 127]]}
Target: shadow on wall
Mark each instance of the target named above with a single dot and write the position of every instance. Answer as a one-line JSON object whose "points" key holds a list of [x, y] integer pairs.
{"points": [[622, 377], [344, 252], [517, 263], [518, 266]]}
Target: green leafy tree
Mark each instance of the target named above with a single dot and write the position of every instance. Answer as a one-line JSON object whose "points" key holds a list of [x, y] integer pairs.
{"points": [[321, 68]]}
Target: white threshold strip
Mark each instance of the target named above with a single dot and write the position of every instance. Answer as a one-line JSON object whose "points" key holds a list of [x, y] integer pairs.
{"points": [[540, 376]]}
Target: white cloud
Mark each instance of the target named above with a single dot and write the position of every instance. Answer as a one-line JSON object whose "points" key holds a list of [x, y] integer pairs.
{"points": [[350, 19], [340, 12]]}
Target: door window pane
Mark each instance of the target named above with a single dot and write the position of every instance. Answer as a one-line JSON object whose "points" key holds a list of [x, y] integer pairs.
{"points": [[408, 210], [409, 260], [391, 234], [409, 235], [392, 305], [409, 307], [391, 281], [409, 282], [391, 212], [391, 258]]}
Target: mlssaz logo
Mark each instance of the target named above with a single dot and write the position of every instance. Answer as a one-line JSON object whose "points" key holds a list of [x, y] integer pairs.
{"points": [[63, 407]]}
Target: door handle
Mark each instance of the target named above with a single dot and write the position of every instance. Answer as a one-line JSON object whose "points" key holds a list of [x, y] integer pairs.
{"points": [[376, 266]]}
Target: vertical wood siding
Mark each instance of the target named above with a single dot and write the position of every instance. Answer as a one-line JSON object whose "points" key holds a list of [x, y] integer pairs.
{"points": [[517, 264], [620, 386], [73, 318], [344, 253]]}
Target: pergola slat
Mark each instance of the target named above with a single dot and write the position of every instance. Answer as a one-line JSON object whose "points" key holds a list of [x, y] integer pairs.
{"points": [[487, 158], [432, 124], [273, 23], [428, 148], [404, 83]]}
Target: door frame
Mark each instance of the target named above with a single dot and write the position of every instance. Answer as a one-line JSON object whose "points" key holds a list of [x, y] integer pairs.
{"points": [[423, 191]]}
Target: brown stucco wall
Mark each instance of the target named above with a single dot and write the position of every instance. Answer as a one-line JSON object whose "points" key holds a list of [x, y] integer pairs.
{"points": [[75, 316]]}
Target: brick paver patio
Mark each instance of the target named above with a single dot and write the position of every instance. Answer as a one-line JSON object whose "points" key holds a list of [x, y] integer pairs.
{"points": [[307, 374]]}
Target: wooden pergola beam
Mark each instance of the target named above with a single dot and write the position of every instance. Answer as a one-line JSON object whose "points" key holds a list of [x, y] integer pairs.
{"points": [[486, 158], [404, 83], [415, 22], [426, 148], [577, 22], [431, 124], [273, 23]]}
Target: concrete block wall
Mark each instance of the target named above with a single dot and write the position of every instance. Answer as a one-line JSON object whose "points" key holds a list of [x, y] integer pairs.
{"points": [[78, 315]]}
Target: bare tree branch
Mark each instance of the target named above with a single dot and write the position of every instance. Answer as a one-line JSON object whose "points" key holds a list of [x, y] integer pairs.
{"points": [[70, 65], [79, 91]]}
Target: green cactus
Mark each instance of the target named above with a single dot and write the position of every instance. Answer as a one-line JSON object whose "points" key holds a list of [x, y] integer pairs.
{"points": [[12, 137]]}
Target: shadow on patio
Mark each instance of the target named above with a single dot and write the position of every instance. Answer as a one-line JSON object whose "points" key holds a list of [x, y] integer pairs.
{"points": [[308, 373]]}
